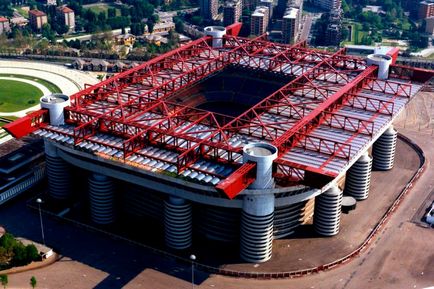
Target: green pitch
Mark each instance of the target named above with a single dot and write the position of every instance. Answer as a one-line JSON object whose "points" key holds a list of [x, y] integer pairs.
{"points": [[17, 95]]}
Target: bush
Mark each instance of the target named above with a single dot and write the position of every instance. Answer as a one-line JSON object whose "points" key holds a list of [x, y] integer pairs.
{"points": [[14, 253], [32, 253]]}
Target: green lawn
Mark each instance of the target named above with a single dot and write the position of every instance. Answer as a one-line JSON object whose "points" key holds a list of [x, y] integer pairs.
{"points": [[16, 95], [103, 8]]}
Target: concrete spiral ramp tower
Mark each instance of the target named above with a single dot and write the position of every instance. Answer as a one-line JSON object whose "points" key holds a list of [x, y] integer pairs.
{"points": [[58, 173], [257, 218], [327, 215], [57, 169], [358, 178], [101, 196], [178, 224], [383, 150]]}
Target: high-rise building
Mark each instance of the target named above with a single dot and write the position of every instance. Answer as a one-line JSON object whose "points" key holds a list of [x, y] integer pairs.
{"points": [[37, 19], [66, 16], [333, 34], [209, 9], [429, 27], [249, 4], [290, 25], [426, 9], [232, 12], [259, 21], [4, 25], [329, 5], [281, 6], [269, 4]]}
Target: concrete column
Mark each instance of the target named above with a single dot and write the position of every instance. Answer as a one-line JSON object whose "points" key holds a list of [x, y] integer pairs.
{"points": [[257, 228], [327, 216], [257, 218], [358, 178], [178, 223], [101, 196], [383, 151], [58, 173]]}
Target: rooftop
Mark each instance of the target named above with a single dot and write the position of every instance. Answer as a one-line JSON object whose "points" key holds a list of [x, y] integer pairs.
{"points": [[260, 11], [330, 109], [291, 13], [37, 13], [66, 9]]}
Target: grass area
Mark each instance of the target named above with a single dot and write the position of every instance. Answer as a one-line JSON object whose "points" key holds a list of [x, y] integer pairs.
{"points": [[103, 7], [4, 120], [23, 12], [50, 86], [17, 95]]}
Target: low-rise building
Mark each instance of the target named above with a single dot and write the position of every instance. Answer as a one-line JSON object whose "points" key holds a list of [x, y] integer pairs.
{"points": [[19, 21], [4, 25], [126, 39], [156, 39], [37, 19], [163, 26]]}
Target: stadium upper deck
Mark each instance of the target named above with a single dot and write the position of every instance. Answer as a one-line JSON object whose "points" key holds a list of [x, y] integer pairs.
{"points": [[321, 121]]}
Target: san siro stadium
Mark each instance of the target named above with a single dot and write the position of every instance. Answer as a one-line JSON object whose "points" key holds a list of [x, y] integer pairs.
{"points": [[230, 139]]}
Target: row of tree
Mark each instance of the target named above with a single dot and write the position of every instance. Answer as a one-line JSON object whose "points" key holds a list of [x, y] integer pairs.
{"points": [[14, 253], [4, 280]]}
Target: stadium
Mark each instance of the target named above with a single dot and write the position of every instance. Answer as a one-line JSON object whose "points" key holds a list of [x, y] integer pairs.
{"points": [[228, 139]]}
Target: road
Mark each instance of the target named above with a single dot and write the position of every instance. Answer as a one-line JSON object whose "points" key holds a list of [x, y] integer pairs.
{"points": [[87, 37], [307, 25]]}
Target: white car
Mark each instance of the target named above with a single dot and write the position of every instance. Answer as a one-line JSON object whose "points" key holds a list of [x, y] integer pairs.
{"points": [[430, 215]]}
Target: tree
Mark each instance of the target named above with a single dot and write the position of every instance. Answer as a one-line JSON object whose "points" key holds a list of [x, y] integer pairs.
{"points": [[33, 282], [4, 280], [150, 25], [48, 33], [5, 8], [32, 253], [179, 24], [111, 12]]}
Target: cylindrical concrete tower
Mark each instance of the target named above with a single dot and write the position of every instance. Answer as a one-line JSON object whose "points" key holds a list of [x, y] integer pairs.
{"points": [[257, 228], [55, 103], [217, 33], [382, 61], [383, 150], [263, 155], [257, 217], [101, 196], [327, 216], [358, 178], [58, 173], [178, 225]]}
